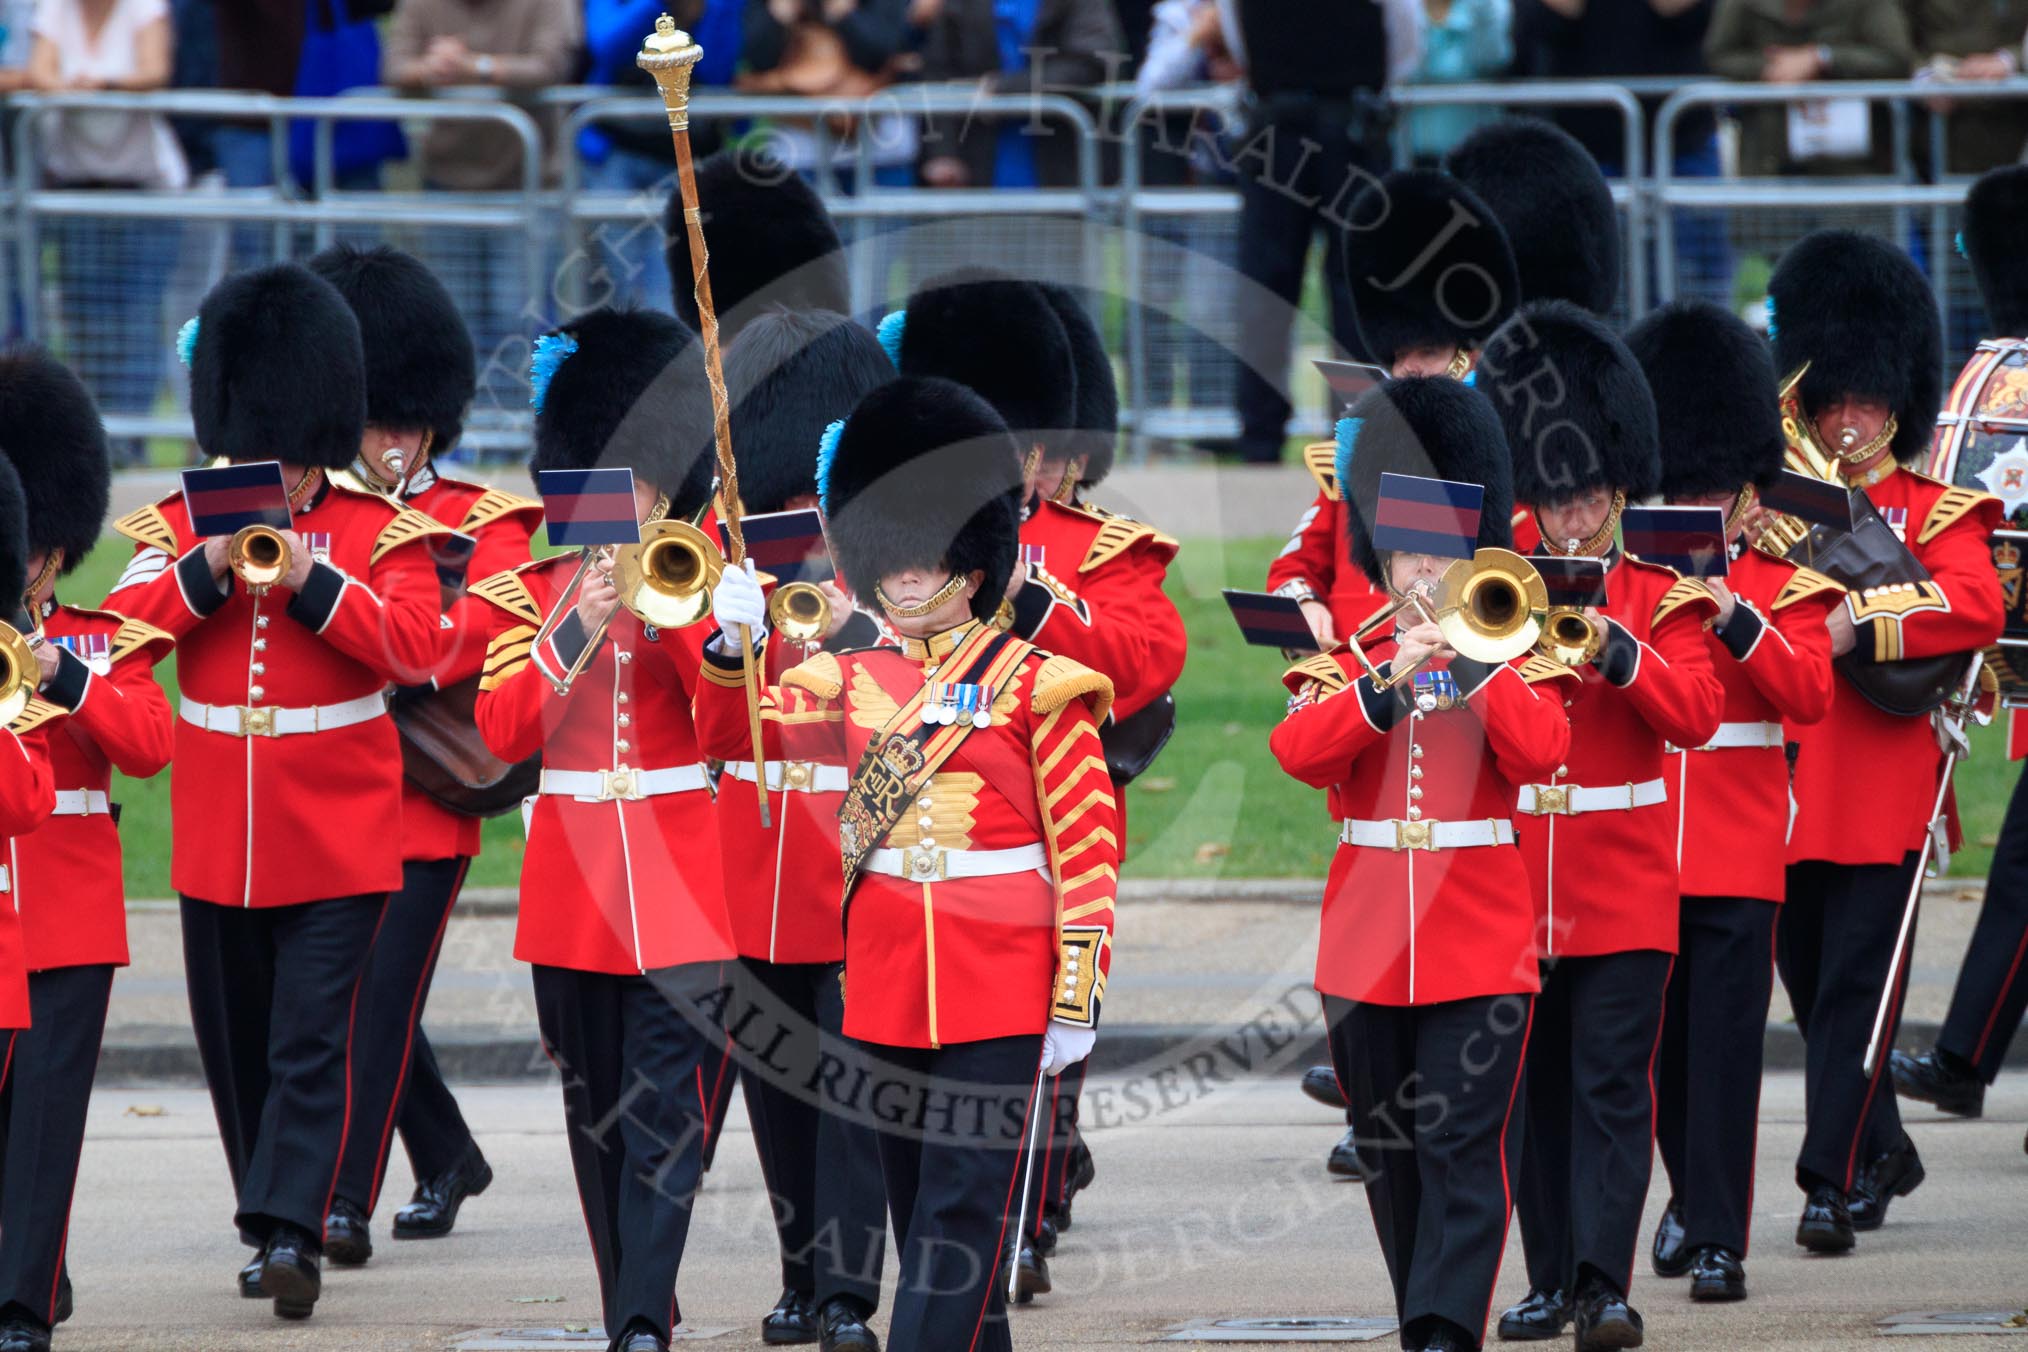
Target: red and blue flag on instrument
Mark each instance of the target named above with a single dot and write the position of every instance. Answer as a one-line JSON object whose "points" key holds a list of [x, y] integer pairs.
{"points": [[229, 498], [1810, 499], [1571, 583], [789, 545], [586, 508], [1689, 539], [1271, 621], [1427, 516]]}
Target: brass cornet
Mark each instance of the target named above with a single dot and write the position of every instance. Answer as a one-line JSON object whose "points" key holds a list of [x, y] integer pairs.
{"points": [[260, 555], [800, 612], [1489, 608], [665, 580], [19, 675], [1570, 638]]}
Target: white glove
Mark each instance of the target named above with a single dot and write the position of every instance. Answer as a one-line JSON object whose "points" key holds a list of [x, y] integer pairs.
{"points": [[737, 600], [1064, 1045]]}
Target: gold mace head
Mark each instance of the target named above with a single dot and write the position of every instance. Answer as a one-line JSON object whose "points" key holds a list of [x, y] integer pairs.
{"points": [[669, 55]]}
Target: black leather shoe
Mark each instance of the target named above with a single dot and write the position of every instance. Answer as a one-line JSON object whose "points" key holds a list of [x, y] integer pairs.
{"points": [[845, 1329], [1540, 1316], [793, 1320], [348, 1238], [1826, 1226], [1939, 1077], [433, 1210], [1045, 1238], [1717, 1274], [250, 1276], [1894, 1174], [643, 1340], [1445, 1337], [1077, 1177], [1343, 1161], [1321, 1084], [1671, 1257], [1031, 1275], [1605, 1320], [292, 1276], [21, 1335]]}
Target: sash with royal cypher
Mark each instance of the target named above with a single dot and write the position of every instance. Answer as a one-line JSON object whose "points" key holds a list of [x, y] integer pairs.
{"points": [[925, 729]]}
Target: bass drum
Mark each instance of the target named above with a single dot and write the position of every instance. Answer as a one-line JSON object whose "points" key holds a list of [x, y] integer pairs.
{"points": [[1984, 420]]}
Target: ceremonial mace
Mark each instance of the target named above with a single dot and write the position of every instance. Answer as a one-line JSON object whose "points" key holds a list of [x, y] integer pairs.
{"points": [[669, 55]]}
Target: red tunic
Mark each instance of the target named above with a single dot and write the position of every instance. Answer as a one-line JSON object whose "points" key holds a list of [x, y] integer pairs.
{"points": [[103, 709], [1411, 927], [27, 794], [274, 820], [1866, 780], [1096, 596], [614, 881], [501, 524], [1606, 882], [963, 959], [1774, 663]]}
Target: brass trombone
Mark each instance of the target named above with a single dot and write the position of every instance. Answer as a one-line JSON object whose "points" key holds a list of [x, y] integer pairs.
{"points": [[19, 675], [799, 612], [1490, 608], [665, 581], [260, 555]]}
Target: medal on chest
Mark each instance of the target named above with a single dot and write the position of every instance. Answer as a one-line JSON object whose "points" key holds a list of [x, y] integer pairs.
{"points": [[319, 545], [94, 650], [1436, 691], [1897, 521], [951, 702]]}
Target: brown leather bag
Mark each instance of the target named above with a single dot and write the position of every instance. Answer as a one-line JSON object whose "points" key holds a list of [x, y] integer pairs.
{"points": [[443, 755]]}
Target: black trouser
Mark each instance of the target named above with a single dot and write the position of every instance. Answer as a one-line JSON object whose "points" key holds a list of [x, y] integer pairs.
{"points": [[1589, 1133], [957, 1117], [631, 1052], [1992, 991], [1298, 175], [1433, 1090], [273, 995], [1707, 1082], [1060, 1098], [45, 1089], [1833, 945], [395, 1081], [830, 1221]]}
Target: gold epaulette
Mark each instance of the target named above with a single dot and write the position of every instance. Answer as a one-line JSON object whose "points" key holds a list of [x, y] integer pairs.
{"points": [[408, 526], [37, 712], [511, 594], [819, 673], [1955, 502], [147, 526], [1323, 669], [1687, 591], [1118, 534], [1806, 582], [1539, 668], [134, 635], [1321, 459], [493, 504], [1061, 679]]}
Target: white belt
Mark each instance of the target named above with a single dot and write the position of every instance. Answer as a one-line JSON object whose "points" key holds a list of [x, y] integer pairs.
{"points": [[1733, 735], [237, 720], [1401, 835], [801, 776], [925, 865], [81, 803], [623, 784], [1570, 800]]}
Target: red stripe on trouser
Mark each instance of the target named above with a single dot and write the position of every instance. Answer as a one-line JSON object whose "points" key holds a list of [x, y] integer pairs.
{"points": [[1753, 1169], [1654, 1053], [1007, 1209], [1506, 1186], [1993, 1017], [63, 1244], [351, 1027], [415, 1004], [1879, 1069]]}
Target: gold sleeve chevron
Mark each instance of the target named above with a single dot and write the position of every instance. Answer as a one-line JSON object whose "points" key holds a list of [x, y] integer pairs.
{"points": [[511, 594], [1947, 509], [493, 504], [1804, 584], [1321, 459], [1081, 825], [147, 526], [507, 654], [1687, 591], [1060, 680], [408, 526], [1322, 670]]}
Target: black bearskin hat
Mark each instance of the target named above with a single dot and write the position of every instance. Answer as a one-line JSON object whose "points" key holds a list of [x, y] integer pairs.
{"points": [[1554, 204], [626, 388], [421, 368], [924, 474], [1097, 415], [768, 238], [50, 431], [14, 550], [1859, 311], [998, 336], [277, 371], [1714, 387], [1994, 211], [791, 374], [1576, 407], [1456, 294], [1433, 427]]}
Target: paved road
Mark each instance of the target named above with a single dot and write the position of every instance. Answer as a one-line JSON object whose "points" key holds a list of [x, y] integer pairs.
{"points": [[1218, 1209]]}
